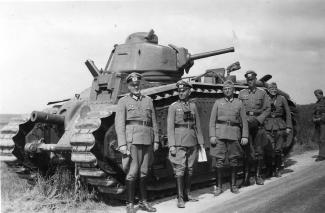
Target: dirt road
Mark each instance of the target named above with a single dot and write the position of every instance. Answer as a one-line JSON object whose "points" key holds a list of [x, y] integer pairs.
{"points": [[300, 190]]}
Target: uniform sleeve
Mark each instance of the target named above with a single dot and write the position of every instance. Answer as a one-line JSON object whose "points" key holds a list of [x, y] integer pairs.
{"points": [[171, 126], [244, 121], [288, 113], [120, 123], [266, 109], [213, 117], [198, 126], [154, 122]]}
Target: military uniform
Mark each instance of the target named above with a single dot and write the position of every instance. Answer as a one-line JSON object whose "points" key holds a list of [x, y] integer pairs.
{"points": [[276, 125], [136, 129], [184, 135], [257, 105], [228, 124], [227, 118], [319, 131]]}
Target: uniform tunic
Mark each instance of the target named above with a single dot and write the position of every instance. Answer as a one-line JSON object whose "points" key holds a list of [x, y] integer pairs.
{"points": [[277, 122], [136, 127], [257, 107], [184, 133], [228, 123], [319, 131]]}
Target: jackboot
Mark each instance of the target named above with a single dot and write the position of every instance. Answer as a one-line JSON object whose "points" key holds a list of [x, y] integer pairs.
{"points": [[247, 180], [180, 188], [218, 187], [187, 189], [233, 185], [143, 204], [278, 163], [130, 187], [259, 179]]}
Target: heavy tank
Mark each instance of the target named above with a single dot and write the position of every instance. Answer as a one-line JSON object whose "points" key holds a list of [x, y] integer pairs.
{"points": [[79, 133]]}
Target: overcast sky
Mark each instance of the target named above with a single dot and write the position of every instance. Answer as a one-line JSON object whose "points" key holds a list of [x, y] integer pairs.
{"points": [[43, 46]]}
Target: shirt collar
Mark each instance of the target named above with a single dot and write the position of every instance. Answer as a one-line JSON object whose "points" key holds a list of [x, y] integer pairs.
{"points": [[229, 100], [137, 98], [252, 91]]}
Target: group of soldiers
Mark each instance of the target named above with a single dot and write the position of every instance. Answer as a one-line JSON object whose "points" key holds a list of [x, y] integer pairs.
{"points": [[239, 128]]}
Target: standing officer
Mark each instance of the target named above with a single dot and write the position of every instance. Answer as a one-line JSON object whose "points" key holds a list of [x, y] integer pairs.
{"points": [[277, 125], [319, 121], [228, 115], [136, 129], [257, 106], [184, 135]]}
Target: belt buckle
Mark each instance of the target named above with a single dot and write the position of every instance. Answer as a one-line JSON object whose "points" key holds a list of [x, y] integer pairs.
{"points": [[250, 113], [228, 123], [273, 116]]}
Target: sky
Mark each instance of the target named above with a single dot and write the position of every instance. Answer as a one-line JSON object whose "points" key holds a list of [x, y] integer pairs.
{"points": [[43, 45]]}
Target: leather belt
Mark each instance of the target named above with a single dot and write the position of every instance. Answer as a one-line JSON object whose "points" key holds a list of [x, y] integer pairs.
{"points": [[136, 122], [228, 123], [253, 113], [187, 126]]}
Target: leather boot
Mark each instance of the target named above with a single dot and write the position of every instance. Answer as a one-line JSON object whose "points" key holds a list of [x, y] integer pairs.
{"points": [[259, 179], [247, 180], [180, 188], [187, 189], [278, 163], [218, 187], [130, 187], [233, 186], [143, 204]]}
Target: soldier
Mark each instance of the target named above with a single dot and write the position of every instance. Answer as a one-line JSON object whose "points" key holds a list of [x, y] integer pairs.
{"points": [[277, 125], [319, 121], [257, 106], [136, 129], [184, 135], [228, 115]]}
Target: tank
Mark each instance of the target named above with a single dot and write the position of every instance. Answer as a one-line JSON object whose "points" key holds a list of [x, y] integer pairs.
{"points": [[79, 133]]}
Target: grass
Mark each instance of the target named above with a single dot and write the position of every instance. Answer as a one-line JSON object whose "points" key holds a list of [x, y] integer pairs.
{"points": [[304, 130], [53, 194]]}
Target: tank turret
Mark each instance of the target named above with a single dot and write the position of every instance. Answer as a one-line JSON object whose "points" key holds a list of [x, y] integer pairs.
{"points": [[142, 53]]}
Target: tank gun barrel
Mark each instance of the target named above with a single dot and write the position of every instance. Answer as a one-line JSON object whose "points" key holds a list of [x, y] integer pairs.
{"points": [[211, 53], [43, 117]]}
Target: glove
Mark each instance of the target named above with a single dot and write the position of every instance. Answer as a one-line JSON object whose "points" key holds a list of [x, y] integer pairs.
{"points": [[213, 141], [123, 149], [244, 141], [156, 146], [253, 122], [172, 150], [288, 130]]}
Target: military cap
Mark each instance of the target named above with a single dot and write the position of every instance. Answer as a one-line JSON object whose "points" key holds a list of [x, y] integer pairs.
{"points": [[250, 74], [318, 91], [181, 84], [133, 77], [272, 85], [228, 83]]}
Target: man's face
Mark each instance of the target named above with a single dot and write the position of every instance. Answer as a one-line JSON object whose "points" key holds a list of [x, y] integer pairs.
{"points": [[251, 82], [228, 91], [273, 91], [184, 93], [134, 87], [318, 95]]}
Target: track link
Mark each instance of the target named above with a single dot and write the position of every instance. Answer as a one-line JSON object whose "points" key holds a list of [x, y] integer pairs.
{"points": [[86, 163]]}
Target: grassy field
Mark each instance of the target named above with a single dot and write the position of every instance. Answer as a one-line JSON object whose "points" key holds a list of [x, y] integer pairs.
{"points": [[56, 194]]}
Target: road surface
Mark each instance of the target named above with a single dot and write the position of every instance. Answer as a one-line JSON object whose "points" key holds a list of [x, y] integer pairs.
{"points": [[300, 190]]}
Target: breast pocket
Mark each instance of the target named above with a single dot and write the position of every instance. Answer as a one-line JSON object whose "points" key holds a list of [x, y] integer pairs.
{"points": [[259, 102], [179, 115]]}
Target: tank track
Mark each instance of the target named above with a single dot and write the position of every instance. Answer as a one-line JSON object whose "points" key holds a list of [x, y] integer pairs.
{"points": [[86, 163], [10, 152]]}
